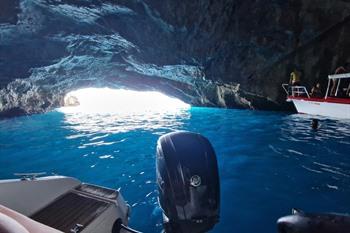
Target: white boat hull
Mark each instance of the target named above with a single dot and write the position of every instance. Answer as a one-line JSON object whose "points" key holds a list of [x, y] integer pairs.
{"points": [[334, 110], [28, 197]]}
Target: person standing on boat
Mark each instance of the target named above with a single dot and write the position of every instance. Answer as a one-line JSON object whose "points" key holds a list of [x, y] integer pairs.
{"points": [[316, 91], [340, 70], [294, 78], [348, 91]]}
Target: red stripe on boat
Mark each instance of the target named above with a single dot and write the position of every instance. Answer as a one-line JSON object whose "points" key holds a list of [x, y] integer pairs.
{"points": [[328, 100]]}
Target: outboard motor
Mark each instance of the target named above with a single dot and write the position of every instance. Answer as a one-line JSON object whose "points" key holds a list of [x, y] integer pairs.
{"points": [[300, 222], [188, 183]]}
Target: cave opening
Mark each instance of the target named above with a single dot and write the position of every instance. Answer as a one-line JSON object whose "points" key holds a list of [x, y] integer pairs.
{"points": [[108, 100]]}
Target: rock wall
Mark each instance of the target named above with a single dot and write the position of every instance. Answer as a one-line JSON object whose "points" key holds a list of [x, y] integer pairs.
{"points": [[225, 53], [257, 43]]}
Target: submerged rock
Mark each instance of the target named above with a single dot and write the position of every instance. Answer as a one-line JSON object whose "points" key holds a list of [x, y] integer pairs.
{"points": [[225, 53]]}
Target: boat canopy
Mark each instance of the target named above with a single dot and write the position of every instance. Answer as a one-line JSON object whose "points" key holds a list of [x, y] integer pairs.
{"points": [[339, 76]]}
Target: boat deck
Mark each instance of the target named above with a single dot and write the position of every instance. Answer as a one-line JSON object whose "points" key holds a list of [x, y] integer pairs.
{"points": [[77, 208]]}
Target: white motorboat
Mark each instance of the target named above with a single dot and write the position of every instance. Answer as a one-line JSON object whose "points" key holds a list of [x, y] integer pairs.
{"points": [[337, 105]]}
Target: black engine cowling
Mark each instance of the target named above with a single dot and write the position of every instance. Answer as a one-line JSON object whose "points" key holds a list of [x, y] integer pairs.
{"points": [[188, 183]]}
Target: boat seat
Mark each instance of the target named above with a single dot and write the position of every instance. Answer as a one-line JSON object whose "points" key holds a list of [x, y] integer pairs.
{"points": [[9, 225], [14, 222]]}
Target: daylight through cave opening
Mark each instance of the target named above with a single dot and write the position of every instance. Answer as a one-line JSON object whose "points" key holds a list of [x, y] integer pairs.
{"points": [[105, 100]]}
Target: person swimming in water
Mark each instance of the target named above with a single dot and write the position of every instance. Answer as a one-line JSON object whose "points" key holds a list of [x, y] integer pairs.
{"points": [[314, 124]]}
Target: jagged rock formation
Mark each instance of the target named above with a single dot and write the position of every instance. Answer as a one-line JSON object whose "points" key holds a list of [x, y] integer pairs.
{"points": [[226, 53], [71, 100]]}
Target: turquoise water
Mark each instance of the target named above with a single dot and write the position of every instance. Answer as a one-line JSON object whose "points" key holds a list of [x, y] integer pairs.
{"points": [[269, 162]]}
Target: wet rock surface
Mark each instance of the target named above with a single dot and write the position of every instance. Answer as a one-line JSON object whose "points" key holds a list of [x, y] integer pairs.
{"points": [[212, 53]]}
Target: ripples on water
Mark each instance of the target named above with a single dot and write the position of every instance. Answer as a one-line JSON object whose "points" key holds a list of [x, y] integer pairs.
{"points": [[269, 162], [121, 123]]}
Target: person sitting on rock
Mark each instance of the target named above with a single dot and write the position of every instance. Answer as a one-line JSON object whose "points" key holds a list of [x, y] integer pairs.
{"points": [[316, 91]]}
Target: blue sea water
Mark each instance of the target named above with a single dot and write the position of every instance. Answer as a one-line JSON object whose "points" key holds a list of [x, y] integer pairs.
{"points": [[268, 162]]}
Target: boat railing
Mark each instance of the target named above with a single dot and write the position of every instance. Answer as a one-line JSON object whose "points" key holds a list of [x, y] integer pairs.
{"points": [[295, 91], [339, 76]]}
